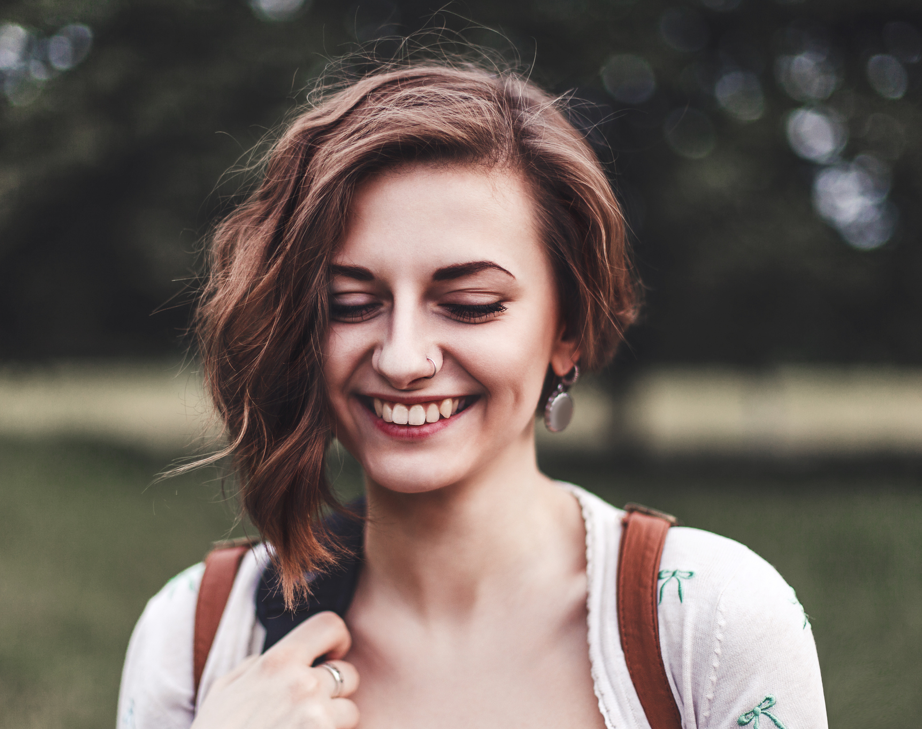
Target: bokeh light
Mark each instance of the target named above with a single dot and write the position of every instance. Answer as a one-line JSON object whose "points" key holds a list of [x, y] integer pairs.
{"points": [[690, 133], [852, 197], [277, 10], [808, 76], [14, 43], [887, 76], [806, 66], [816, 134], [69, 46], [28, 61], [628, 78], [740, 94]]}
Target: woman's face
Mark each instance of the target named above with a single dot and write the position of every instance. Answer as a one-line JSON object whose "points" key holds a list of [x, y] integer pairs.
{"points": [[441, 265]]}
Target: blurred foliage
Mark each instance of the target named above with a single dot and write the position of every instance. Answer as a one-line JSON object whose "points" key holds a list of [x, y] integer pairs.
{"points": [[108, 166]]}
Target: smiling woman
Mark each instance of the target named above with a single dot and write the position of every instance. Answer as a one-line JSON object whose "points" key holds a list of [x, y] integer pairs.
{"points": [[431, 256], [423, 237]]}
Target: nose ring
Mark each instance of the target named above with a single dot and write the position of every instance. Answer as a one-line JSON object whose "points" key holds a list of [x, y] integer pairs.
{"points": [[434, 368]]}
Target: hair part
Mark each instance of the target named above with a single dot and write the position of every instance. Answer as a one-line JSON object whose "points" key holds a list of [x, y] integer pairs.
{"points": [[263, 319]]}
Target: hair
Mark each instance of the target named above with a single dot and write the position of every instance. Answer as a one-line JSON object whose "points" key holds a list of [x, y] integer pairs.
{"points": [[262, 319]]}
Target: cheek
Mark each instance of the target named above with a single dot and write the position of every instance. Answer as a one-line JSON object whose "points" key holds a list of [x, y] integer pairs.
{"points": [[332, 363], [341, 357], [512, 362]]}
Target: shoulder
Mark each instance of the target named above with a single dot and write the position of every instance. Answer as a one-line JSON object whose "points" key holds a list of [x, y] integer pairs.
{"points": [[716, 569], [157, 687], [723, 579], [715, 561], [734, 636], [733, 633], [721, 567], [703, 579]]}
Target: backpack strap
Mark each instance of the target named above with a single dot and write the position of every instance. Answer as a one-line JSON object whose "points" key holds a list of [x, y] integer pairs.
{"points": [[642, 538], [330, 589], [221, 566]]}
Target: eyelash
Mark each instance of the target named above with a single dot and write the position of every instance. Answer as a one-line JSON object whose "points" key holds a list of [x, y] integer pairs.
{"points": [[351, 313], [471, 313], [466, 313]]}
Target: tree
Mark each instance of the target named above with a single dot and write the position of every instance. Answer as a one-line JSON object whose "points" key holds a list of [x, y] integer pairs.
{"points": [[767, 154]]}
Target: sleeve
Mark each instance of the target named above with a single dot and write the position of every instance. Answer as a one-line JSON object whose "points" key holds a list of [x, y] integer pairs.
{"points": [[762, 666], [738, 643], [156, 690]]}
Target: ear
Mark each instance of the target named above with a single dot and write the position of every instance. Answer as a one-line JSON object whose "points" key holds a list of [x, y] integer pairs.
{"points": [[564, 355]]}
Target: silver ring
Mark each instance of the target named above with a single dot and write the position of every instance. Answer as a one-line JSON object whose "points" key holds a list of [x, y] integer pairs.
{"points": [[337, 676], [434, 368]]}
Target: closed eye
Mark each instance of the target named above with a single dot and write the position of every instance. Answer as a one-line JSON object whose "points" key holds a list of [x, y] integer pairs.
{"points": [[352, 312], [474, 313]]}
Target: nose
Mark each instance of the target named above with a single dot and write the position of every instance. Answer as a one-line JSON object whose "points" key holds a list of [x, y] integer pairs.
{"points": [[406, 356]]}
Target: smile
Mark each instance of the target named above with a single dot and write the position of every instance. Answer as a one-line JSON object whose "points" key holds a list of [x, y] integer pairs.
{"points": [[418, 413]]}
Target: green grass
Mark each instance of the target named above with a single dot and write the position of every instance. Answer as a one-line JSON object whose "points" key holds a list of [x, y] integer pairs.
{"points": [[86, 540]]}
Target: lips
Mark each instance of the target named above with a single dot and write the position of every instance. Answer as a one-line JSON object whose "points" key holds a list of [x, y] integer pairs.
{"points": [[417, 413]]}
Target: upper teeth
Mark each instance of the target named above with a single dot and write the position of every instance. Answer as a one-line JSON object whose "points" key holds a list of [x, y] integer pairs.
{"points": [[427, 412]]}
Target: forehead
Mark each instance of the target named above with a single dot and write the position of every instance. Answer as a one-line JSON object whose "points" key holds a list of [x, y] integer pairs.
{"points": [[431, 216]]}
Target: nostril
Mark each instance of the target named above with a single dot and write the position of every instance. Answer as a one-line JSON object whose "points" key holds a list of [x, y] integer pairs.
{"points": [[405, 362]]}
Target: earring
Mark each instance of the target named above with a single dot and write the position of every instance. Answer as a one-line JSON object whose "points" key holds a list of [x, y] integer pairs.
{"points": [[559, 409]]}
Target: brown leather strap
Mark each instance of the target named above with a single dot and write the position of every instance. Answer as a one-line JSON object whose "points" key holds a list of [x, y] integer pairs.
{"points": [[644, 533], [221, 567]]}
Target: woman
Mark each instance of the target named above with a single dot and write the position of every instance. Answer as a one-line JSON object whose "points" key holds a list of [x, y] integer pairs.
{"points": [[431, 253]]}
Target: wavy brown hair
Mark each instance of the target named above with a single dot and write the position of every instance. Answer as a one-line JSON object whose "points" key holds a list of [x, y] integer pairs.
{"points": [[263, 316]]}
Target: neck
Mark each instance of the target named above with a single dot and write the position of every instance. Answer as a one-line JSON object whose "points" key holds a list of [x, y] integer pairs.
{"points": [[443, 553]]}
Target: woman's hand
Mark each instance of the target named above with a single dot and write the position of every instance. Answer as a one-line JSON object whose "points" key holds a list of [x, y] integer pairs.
{"points": [[280, 689]]}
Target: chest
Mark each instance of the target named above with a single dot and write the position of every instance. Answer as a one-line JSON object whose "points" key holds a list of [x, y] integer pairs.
{"points": [[514, 673]]}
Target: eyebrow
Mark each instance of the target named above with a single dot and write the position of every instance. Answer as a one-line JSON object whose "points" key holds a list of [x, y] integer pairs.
{"points": [[460, 270], [446, 273], [354, 272]]}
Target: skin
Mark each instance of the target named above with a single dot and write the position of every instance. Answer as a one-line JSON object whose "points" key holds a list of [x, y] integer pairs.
{"points": [[471, 606]]}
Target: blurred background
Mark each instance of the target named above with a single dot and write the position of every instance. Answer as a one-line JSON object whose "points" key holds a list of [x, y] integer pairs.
{"points": [[768, 155]]}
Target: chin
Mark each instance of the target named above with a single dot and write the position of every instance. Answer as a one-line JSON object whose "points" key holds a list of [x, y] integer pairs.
{"points": [[407, 474]]}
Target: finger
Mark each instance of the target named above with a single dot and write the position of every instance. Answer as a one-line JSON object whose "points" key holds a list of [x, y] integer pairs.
{"points": [[350, 678], [345, 714], [321, 635]]}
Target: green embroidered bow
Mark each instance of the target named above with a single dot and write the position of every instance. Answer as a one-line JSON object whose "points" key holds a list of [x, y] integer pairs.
{"points": [[752, 717], [669, 576], [795, 601]]}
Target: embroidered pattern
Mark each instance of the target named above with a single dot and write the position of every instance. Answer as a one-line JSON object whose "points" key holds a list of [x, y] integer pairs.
{"points": [[128, 717], [669, 576], [752, 717], [190, 575], [795, 601]]}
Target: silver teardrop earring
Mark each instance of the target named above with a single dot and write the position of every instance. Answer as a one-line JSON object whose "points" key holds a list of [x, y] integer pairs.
{"points": [[559, 409]]}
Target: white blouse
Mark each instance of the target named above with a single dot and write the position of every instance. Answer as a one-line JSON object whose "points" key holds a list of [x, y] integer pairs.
{"points": [[736, 643]]}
